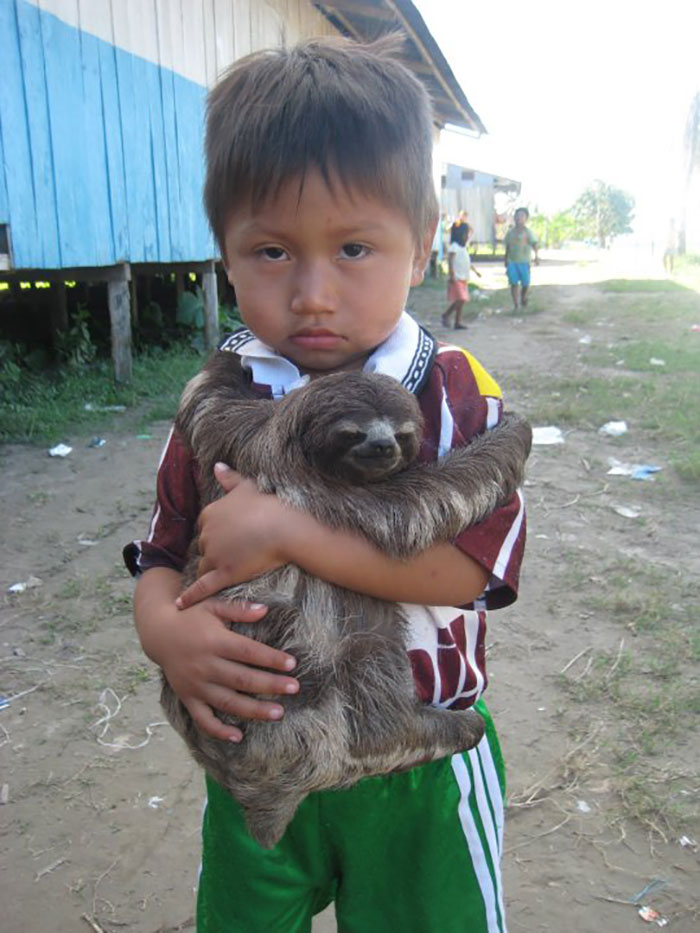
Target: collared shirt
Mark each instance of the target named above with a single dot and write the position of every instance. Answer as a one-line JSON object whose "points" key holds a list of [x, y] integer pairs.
{"points": [[458, 400]]}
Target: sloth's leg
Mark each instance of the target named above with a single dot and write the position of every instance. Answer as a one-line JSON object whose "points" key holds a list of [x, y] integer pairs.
{"points": [[268, 816], [435, 733]]}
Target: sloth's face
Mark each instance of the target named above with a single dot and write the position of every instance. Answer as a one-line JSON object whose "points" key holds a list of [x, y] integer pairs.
{"points": [[364, 451]]}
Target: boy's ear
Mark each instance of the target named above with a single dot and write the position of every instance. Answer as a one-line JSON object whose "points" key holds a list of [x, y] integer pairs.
{"points": [[422, 255]]}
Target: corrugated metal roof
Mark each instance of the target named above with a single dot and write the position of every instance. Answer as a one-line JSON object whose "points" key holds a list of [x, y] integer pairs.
{"points": [[369, 19]]}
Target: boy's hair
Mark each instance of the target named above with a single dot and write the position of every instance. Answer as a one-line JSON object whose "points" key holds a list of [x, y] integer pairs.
{"points": [[522, 210], [352, 111]]}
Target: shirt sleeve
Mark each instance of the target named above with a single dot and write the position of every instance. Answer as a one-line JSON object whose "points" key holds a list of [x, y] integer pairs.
{"points": [[175, 513], [472, 403]]}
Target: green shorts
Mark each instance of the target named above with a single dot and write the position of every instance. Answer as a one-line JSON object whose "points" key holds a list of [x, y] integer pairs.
{"points": [[418, 851]]}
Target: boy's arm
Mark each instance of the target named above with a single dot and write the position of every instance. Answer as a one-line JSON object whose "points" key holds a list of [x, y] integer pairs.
{"points": [[207, 665], [451, 267], [247, 533]]}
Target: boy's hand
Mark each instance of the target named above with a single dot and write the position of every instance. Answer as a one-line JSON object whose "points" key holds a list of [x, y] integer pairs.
{"points": [[210, 667], [240, 537]]}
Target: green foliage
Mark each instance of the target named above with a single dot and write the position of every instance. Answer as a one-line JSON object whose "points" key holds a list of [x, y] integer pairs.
{"points": [[604, 211], [74, 346], [552, 231], [190, 309], [47, 406]]}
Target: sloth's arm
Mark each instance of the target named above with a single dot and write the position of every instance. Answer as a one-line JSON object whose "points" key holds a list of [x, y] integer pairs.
{"points": [[217, 417]]}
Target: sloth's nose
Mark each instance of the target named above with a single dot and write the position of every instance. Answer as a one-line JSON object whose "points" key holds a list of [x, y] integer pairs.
{"points": [[380, 447]]}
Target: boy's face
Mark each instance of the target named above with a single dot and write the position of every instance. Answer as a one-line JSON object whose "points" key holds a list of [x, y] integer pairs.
{"points": [[322, 277], [520, 219]]}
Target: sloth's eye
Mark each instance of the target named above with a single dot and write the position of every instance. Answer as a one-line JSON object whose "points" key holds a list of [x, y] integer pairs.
{"points": [[403, 436], [351, 436]]}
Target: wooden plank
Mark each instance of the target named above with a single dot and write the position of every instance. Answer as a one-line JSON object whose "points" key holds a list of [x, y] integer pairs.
{"points": [[59, 308], [90, 154], [114, 152], [20, 209], [38, 121], [211, 307], [241, 14], [70, 274], [224, 24], [120, 321], [61, 52]]}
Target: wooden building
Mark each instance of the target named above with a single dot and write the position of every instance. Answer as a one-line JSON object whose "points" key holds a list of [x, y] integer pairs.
{"points": [[101, 121]]}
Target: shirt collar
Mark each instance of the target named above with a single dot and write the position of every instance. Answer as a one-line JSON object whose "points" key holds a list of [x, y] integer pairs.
{"points": [[406, 355]]}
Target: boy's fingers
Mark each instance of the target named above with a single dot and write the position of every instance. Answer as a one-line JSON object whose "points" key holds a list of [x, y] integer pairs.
{"points": [[202, 588], [256, 654], [240, 610], [246, 707], [205, 720], [227, 478]]}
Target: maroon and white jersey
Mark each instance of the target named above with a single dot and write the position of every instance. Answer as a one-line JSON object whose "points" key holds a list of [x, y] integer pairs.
{"points": [[459, 400]]}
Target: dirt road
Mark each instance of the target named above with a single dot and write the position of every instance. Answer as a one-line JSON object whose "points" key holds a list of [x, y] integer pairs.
{"points": [[102, 809]]}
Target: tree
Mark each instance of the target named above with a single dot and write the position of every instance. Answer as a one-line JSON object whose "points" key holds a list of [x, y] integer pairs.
{"points": [[604, 211], [691, 142]]}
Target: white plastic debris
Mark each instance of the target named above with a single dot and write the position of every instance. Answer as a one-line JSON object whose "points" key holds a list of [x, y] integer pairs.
{"points": [[627, 511], [60, 450], [613, 428], [155, 802], [29, 584], [655, 361], [585, 340], [90, 406], [635, 470], [688, 843], [582, 806], [547, 435]]}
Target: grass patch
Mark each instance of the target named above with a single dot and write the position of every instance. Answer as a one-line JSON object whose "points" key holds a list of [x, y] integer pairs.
{"points": [[46, 407], [678, 357], [641, 285]]}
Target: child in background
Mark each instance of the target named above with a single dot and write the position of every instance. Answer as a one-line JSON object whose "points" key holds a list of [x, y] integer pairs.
{"points": [[458, 275], [319, 191], [520, 242]]}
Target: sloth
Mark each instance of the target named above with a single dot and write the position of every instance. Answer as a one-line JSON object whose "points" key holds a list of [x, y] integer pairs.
{"points": [[342, 448]]}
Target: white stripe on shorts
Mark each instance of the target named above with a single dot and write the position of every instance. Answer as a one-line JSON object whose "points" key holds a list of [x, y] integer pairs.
{"points": [[491, 895]]}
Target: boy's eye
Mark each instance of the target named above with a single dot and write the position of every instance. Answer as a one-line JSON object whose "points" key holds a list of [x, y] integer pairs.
{"points": [[274, 253], [353, 250]]}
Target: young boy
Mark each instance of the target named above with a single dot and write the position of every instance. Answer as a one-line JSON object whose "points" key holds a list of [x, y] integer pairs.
{"points": [[458, 275], [319, 191], [520, 242]]}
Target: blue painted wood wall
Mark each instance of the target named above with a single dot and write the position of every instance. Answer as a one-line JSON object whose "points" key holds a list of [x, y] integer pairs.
{"points": [[101, 151]]}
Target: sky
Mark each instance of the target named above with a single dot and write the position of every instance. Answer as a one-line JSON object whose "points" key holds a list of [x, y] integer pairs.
{"points": [[571, 91]]}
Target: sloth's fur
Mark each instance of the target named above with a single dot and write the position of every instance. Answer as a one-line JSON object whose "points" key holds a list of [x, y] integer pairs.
{"points": [[341, 448]]}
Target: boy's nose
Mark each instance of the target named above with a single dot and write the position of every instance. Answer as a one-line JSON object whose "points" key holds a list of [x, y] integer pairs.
{"points": [[313, 291]]}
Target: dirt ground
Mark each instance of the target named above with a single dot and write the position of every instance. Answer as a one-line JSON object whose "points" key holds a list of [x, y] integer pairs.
{"points": [[101, 806]]}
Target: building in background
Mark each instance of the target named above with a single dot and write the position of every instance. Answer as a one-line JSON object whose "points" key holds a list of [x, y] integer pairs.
{"points": [[487, 198], [101, 122]]}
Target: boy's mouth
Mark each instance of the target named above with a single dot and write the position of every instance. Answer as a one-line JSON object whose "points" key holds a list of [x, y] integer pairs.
{"points": [[316, 338]]}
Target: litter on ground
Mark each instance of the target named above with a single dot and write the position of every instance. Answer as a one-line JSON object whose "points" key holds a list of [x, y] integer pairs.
{"points": [[627, 511], [547, 435], [29, 584], [634, 470], [613, 428], [60, 450], [90, 406], [655, 361], [649, 915]]}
